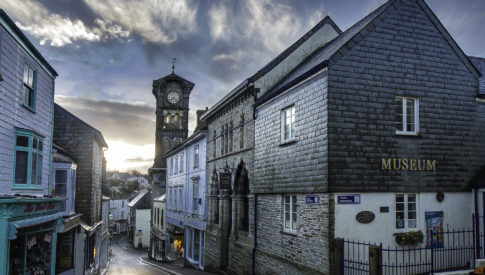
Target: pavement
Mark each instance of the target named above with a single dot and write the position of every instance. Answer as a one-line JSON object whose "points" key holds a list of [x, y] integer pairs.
{"points": [[126, 260]]}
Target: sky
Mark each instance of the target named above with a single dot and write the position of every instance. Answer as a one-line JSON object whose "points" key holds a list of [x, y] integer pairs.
{"points": [[107, 53]]}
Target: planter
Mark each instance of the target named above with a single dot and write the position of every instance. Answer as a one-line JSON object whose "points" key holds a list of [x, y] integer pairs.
{"points": [[409, 238]]}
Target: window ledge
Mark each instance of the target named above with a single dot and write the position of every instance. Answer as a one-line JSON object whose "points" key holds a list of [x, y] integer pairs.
{"points": [[289, 232], [288, 142], [28, 108], [409, 134], [26, 187]]}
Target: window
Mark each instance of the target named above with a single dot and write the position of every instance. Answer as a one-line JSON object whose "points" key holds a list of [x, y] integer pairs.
{"points": [[230, 137], [29, 87], [28, 159], [289, 213], [196, 156], [241, 133], [122, 214], [161, 218], [182, 162], [122, 203], [407, 116], [176, 165], [171, 166], [61, 186], [406, 211], [215, 145], [195, 200], [222, 140], [288, 124]]}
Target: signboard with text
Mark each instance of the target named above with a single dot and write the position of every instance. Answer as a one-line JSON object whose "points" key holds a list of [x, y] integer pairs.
{"points": [[225, 181], [348, 199]]}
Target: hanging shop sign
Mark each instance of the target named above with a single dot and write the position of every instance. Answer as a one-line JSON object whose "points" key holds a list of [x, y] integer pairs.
{"points": [[365, 217], [225, 181], [408, 164], [348, 199]]}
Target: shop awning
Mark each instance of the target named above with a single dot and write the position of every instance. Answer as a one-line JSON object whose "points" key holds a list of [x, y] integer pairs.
{"points": [[13, 226]]}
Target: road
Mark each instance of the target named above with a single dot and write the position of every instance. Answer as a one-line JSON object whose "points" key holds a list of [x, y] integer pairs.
{"points": [[124, 260]]}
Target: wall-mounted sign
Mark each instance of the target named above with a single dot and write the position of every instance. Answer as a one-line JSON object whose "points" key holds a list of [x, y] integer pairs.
{"points": [[384, 209], [225, 181], [434, 229], [312, 199], [408, 164], [365, 217], [348, 199]]}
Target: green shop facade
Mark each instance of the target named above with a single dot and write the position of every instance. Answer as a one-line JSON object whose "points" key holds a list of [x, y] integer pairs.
{"points": [[28, 235]]}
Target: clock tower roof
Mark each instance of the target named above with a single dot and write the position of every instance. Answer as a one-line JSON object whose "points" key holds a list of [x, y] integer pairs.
{"points": [[173, 77]]}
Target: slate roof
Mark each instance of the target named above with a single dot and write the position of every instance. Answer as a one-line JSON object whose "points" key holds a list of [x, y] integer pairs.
{"points": [[138, 198], [161, 198], [97, 134], [321, 57], [479, 63]]}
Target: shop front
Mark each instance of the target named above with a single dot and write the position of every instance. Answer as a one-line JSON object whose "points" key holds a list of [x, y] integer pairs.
{"points": [[28, 235], [176, 242], [158, 245]]}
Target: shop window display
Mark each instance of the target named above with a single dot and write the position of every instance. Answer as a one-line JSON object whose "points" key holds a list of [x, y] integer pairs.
{"points": [[31, 252]]}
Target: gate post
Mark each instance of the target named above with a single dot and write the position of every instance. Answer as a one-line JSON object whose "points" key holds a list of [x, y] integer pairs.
{"points": [[375, 255], [336, 256]]}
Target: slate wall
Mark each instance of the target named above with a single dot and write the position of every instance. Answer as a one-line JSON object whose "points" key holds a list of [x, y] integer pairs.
{"points": [[401, 54]]}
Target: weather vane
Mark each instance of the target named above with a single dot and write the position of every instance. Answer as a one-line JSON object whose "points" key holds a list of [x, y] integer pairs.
{"points": [[173, 64]]}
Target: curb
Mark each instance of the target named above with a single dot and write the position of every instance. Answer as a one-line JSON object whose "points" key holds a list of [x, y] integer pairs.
{"points": [[159, 267]]}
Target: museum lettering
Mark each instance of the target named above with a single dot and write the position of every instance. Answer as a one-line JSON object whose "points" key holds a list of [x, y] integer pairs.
{"points": [[408, 164]]}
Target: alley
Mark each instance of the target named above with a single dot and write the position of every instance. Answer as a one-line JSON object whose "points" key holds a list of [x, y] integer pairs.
{"points": [[125, 259]]}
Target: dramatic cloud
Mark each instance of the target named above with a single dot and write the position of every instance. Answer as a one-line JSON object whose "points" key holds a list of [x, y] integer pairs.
{"points": [[57, 30], [156, 21]]}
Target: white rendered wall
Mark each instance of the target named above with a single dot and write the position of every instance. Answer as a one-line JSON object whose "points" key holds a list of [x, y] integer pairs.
{"points": [[116, 209], [456, 207], [143, 224]]}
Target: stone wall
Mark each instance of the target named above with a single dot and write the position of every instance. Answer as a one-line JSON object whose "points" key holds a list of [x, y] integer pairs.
{"points": [[305, 251], [73, 135], [299, 166], [401, 54]]}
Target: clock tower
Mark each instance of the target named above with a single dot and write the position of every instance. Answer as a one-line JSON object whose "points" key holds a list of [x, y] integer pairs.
{"points": [[172, 94]]}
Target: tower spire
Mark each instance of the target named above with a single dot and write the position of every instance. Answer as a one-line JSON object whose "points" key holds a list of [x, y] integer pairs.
{"points": [[173, 64]]}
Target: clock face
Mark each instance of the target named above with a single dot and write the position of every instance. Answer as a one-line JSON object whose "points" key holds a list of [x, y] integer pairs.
{"points": [[173, 97]]}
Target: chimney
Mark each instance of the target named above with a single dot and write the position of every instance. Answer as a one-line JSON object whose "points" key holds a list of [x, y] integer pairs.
{"points": [[201, 124]]}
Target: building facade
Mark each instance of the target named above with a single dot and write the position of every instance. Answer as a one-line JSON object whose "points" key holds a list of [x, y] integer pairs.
{"points": [[158, 229], [139, 219], [119, 210], [86, 144], [29, 218], [186, 213], [230, 243], [373, 122]]}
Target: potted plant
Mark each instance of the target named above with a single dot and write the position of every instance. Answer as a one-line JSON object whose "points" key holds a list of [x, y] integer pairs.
{"points": [[409, 238]]}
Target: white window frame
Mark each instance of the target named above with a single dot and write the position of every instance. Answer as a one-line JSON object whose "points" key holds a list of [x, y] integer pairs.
{"points": [[406, 210], [291, 112], [293, 211], [196, 156], [195, 196], [176, 165], [181, 163], [403, 129]]}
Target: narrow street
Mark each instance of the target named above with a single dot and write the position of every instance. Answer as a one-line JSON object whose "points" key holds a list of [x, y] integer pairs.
{"points": [[125, 259]]}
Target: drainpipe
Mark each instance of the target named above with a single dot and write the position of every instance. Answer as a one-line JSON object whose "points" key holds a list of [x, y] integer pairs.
{"points": [[477, 226], [255, 232]]}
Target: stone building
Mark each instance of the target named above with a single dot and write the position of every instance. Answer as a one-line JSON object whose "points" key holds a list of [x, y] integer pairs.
{"points": [[386, 119], [86, 144], [172, 94], [230, 242], [28, 210]]}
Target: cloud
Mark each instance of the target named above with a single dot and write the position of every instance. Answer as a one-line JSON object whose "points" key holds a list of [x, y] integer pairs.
{"points": [[118, 121], [267, 22], [156, 21], [139, 159], [58, 30]]}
